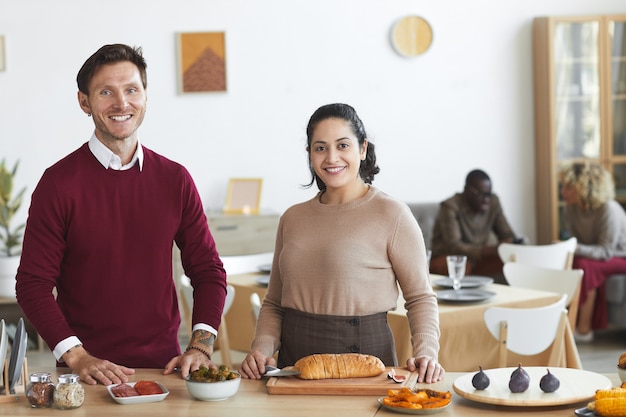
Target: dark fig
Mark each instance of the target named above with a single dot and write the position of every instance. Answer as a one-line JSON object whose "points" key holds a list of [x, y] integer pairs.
{"points": [[480, 380], [549, 383], [520, 381], [521, 370]]}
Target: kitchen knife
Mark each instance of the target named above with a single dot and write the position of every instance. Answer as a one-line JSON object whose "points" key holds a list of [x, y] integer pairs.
{"points": [[273, 371]]}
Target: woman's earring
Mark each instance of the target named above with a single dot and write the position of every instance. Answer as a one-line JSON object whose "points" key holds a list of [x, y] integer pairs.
{"points": [[88, 114]]}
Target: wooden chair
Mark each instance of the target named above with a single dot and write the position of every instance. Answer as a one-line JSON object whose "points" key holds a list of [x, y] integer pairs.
{"points": [[564, 281], [235, 264], [528, 331], [222, 337], [557, 255]]}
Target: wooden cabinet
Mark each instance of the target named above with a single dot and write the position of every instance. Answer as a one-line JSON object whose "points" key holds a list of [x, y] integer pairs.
{"points": [[240, 234], [237, 234], [580, 106], [11, 312]]}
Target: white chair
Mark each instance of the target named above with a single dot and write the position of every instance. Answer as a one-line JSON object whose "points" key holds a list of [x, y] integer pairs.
{"points": [[557, 255], [255, 301], [222, 337], [528, 331], [241, 264], [564, 281]]}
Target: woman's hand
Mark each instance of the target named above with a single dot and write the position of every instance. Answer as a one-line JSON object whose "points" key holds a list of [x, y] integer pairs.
{"points": [[253, 366], [429, 370]]}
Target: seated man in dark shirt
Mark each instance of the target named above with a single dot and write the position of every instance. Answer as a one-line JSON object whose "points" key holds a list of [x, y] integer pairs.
{"points": [[471, 223]]}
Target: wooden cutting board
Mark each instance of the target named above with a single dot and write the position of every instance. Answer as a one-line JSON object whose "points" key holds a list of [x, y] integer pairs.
{"points": [[377, 385]]}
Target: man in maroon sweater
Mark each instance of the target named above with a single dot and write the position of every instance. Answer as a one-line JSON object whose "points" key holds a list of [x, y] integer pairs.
{"points": [[101, 227]]}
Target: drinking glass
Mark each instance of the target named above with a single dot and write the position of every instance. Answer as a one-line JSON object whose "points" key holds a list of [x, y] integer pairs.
{"points": [[456, 269]]}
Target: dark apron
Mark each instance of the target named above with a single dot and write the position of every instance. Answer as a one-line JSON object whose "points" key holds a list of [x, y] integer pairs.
{"points": [[304, 334]]}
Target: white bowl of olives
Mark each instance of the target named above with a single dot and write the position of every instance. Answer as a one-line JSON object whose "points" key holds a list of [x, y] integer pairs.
{"points": [[214, 384]]}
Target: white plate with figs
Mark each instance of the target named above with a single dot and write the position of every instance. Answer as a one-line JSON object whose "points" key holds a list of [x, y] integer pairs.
{"points": [[576, 385]]}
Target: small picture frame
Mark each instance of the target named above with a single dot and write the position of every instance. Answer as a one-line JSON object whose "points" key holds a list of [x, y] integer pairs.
{"points": [[244, 196]]}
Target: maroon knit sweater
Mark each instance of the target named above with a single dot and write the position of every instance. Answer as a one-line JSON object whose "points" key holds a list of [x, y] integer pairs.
{"points": [[104, 238]]}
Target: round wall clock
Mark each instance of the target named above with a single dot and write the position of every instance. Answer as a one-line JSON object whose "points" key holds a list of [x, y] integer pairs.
{"points": [[411, 36]]}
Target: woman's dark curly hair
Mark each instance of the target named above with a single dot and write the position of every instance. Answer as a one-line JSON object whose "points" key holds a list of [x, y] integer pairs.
{"points": [[368, 168]]}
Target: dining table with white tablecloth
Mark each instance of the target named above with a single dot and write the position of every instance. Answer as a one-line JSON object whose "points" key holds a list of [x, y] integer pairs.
{"points": [[465, 341]]}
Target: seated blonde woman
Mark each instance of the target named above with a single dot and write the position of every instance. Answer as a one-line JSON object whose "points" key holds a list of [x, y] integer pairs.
{"points": [[599, 223]]}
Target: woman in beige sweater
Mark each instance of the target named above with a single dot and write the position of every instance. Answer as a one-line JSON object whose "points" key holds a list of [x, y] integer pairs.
{"points": [[339, 260]]}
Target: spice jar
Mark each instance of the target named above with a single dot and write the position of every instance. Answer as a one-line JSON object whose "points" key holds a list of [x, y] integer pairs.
{"points": [[40, 390], [69, 392]]}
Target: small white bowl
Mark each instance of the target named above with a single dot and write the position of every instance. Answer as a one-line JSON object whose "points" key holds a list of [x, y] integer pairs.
{"points": [[621, 373], [213, 391]]}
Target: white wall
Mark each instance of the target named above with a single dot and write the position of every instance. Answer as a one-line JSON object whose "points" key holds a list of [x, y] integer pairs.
{"points": [[465, 103]]}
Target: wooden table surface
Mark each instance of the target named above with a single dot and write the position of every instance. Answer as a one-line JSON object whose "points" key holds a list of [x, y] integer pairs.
{"points": [[465, 341], [253, 399]]}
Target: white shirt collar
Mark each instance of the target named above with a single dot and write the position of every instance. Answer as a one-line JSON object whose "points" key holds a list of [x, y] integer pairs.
{"points": [[110, 160]]}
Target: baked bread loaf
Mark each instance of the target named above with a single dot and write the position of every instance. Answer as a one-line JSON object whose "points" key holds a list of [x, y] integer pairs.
{"points": [[339, 365]]}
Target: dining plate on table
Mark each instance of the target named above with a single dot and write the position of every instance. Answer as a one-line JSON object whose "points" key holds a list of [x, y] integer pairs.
{"points": [[263, 280], [265, 268], [469, 281], [576, 385], [414, 411], [138, 399], [18, 353], [464, 295], [584, 412]]}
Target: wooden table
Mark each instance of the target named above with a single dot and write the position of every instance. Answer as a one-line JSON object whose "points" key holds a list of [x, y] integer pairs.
{"points": [[252, 399], [465, 341]]}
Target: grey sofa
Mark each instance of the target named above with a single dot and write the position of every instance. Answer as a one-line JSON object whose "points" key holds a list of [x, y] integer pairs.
{"points": [[425, 213], [616, 299]]}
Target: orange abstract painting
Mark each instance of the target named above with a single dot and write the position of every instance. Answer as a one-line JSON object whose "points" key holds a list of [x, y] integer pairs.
{"points": [[202, 62]]}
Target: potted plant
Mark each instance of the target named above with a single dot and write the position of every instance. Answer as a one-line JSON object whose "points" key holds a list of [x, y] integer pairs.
{"points": [[10, 237]]}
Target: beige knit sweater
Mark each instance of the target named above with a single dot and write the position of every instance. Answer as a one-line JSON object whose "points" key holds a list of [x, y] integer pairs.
{"points": [[348, 259]]}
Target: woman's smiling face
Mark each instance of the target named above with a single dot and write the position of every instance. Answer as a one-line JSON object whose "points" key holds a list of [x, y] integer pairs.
{"points": [[335, 153]]}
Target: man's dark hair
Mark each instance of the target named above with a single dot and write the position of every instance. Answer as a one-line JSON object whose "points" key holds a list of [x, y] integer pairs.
{"points": [[110, 54], [476, 175]]}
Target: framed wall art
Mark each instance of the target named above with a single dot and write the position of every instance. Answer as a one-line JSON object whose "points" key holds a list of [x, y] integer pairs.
{"points": [[201, 62], [244, 196]]}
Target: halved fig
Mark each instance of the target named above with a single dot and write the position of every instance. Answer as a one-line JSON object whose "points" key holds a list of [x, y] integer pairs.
{"points": [[397, 378]]}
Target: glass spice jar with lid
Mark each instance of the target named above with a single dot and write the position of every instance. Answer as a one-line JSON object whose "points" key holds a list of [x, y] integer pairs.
{"points": [[69, 392], [40, 390]]}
